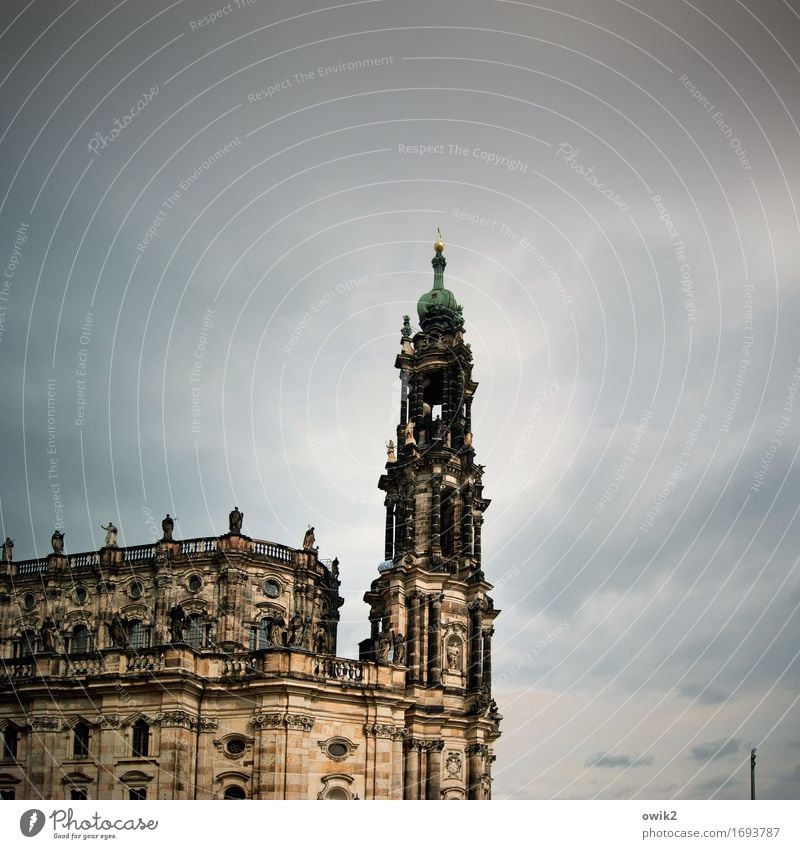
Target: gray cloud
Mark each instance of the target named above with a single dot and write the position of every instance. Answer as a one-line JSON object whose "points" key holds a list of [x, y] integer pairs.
{"points": [[618, 761], [713, 751]]}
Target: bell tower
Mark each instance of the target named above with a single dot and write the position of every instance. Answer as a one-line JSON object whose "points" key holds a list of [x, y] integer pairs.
{"points": [[430, 611]]}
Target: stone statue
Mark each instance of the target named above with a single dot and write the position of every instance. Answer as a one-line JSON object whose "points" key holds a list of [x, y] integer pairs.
{"points": [[399, 649], [453, 658], [295, 623], [235, 519], [468, 440], [391, 454], [118, 630], [384, 646], [111, 534], [8, 550], [275, 631], [167, 526], [406, 331], [309, 539], [335, 568], [410, 433], [57, 541], [177, 624], [437, 428], [321, 641], [47, 634]]}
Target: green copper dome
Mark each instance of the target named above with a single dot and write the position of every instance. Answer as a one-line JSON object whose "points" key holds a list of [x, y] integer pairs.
{"points": [[439, 302]]}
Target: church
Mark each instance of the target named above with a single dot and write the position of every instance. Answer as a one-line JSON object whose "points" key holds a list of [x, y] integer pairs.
{"points": [[208, 668]]}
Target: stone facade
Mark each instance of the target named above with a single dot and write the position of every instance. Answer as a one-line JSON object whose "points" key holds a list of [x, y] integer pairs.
{"points": [[207, 668]]}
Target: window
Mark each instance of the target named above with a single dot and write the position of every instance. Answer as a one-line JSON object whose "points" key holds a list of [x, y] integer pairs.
{"points": [[263, 633], [195, 583], [447, 536], [27, 644], [29, 601], [10, 737], [141, 739], [235, 746], [80, 640], [195, 632], [234, 792], [135, 590], [137, 793], [272, 588], [138, 636], [337, 793], [81, 594], [7, 793], [77, 794], [80, 740]]}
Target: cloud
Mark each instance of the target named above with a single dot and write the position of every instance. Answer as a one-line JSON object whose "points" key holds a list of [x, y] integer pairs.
{"points": [[704, 695], [713, 751], [617, 761]]}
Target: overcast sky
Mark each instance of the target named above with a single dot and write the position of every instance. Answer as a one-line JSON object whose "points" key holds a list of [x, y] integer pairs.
{"points": [[211, 228]]}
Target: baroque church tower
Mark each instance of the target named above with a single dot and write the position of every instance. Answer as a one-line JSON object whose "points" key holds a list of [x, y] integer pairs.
{"points": [[209, 668], [431, 586]]}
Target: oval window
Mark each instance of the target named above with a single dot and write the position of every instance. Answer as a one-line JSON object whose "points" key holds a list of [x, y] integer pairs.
{"points": [[29, 601], [235, 746], [81, 594], [136, 590], [337, 749], [271, 588], [195, 583]]}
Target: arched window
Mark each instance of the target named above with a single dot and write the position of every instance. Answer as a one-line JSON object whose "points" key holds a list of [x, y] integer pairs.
{"points": [[195, 631], [234, 792], [138, 635], [27, 643], [10, 738], [80, 740], [141, 739], [337, 793], [80, 644]]}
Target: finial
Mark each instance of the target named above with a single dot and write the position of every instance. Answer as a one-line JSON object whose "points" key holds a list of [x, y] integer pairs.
{"points": [[438, 245]]}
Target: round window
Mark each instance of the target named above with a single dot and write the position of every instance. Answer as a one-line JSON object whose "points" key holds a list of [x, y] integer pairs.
{"points": [[81, 594], [235, 746], [337, 749], [29, 601], [195, 583], [272, 588], [136, 590]]}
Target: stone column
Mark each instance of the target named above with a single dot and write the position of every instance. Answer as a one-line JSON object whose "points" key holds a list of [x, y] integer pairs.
{"points": [[297, 755], [486, 679], [434, 783], [468, 415], [422, 631], [434, 641], [466, 523], [436, 513], [477, 540], [413, 637], [409, 524], [389, 536], [476, 754], [411, 789], [270, 756], [403, 397], [475, 654]]}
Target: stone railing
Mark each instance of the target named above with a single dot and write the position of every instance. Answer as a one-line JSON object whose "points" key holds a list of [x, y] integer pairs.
{"points": [[204, 545], [339, 669], [14, 670], [273, 550], [92, 560]]}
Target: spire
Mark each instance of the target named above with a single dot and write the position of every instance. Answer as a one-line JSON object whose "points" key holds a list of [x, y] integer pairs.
{"points": [[439, 303]]}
